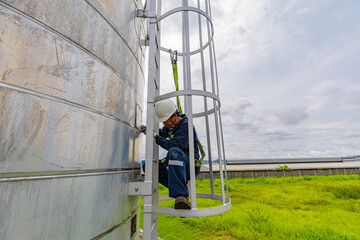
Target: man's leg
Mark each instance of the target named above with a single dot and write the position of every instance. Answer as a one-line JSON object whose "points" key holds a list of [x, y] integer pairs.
{"points": [[163, 173], [178, 169]]}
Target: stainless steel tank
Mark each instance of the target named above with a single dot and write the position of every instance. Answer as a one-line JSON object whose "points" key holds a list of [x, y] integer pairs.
{"points": [[71, 92]]}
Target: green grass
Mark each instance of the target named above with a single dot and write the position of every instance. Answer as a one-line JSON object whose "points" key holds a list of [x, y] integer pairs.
{"points": [[284, 167], [308, 207]]}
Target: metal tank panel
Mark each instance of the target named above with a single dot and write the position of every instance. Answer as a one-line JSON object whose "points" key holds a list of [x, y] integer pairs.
{"points": [[66, 208], [71, 92], [40, 134], [113, 41], [55, 66]]}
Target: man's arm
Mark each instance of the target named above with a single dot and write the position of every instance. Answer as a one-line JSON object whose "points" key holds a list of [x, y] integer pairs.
{"points": [[164, 132], [166, 143], [180, 139]]}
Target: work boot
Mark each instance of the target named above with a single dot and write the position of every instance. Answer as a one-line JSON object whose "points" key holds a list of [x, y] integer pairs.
{"points": [[182, 202]]}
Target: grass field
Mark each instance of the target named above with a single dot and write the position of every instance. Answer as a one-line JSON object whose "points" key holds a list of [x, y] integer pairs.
{"points": [[308, 207]]}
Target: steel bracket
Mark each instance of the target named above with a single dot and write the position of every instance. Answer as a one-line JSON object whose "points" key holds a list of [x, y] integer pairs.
{"points": [[140, 188], [145, 13], [147, 208]]}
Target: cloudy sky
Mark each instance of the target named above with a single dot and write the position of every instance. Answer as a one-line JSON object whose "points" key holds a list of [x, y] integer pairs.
{"points": [[289, 75]]}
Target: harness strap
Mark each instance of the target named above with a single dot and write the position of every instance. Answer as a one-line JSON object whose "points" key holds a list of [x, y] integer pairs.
{"points": [[173, 57]]}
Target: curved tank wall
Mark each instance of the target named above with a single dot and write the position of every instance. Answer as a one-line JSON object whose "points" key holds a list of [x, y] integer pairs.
{"points": [[71, 92]]}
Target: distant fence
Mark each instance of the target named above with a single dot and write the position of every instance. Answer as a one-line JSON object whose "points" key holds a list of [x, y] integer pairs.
{"points": [[280, 173], [291, 160]]}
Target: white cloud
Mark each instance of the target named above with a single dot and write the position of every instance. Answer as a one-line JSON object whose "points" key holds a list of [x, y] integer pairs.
{"points": [[280, 54], [293, 115], [289, 76], [354, 99]]}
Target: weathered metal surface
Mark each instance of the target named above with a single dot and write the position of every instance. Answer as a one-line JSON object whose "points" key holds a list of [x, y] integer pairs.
{"points": [[71, 92], [56, 67], [109, 35], [42, 134], [70, 208]]}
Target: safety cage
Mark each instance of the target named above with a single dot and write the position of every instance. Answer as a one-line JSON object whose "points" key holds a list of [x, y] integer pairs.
{"points": [[204, 54]]}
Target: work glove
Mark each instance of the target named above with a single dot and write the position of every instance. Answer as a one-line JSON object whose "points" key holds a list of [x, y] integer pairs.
{"points": [[154, 134], [143, 129]]}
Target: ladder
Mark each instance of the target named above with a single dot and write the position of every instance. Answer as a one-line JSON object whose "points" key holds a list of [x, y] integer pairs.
{"points": [[149, 188]]}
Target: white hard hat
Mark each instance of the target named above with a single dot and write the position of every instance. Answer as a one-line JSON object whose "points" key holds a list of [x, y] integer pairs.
{"points": [[164, 110]]}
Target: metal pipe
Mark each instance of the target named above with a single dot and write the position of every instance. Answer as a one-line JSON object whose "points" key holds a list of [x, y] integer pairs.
{"points": [[216, 112], [64, 174], [223, 147], [184, 58], [205, 105], [189, 110], [150, 217], [203, 212], [188, 93], [218, 94]]}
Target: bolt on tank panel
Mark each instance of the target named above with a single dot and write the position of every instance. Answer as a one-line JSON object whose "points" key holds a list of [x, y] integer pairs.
{"points": [[67, 208], [55, 67], [41, 134]]}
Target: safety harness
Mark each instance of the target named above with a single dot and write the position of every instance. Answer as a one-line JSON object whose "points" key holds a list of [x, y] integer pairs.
{"points": [[173, 57]]}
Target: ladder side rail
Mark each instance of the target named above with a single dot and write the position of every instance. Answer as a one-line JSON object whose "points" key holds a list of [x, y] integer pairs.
{"points": [[215, 62], [189, 107], [223, 148], [205, 104], [220, 119], [218, 94], [155, 195], [216, 110], [184, 57], [150, 220]]}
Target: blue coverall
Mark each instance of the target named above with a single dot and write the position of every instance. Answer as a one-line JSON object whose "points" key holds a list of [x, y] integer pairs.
{"points": [[174, 171]]}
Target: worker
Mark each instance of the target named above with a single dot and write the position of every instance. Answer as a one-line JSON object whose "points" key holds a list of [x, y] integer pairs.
{"points": [[174, 170]]}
